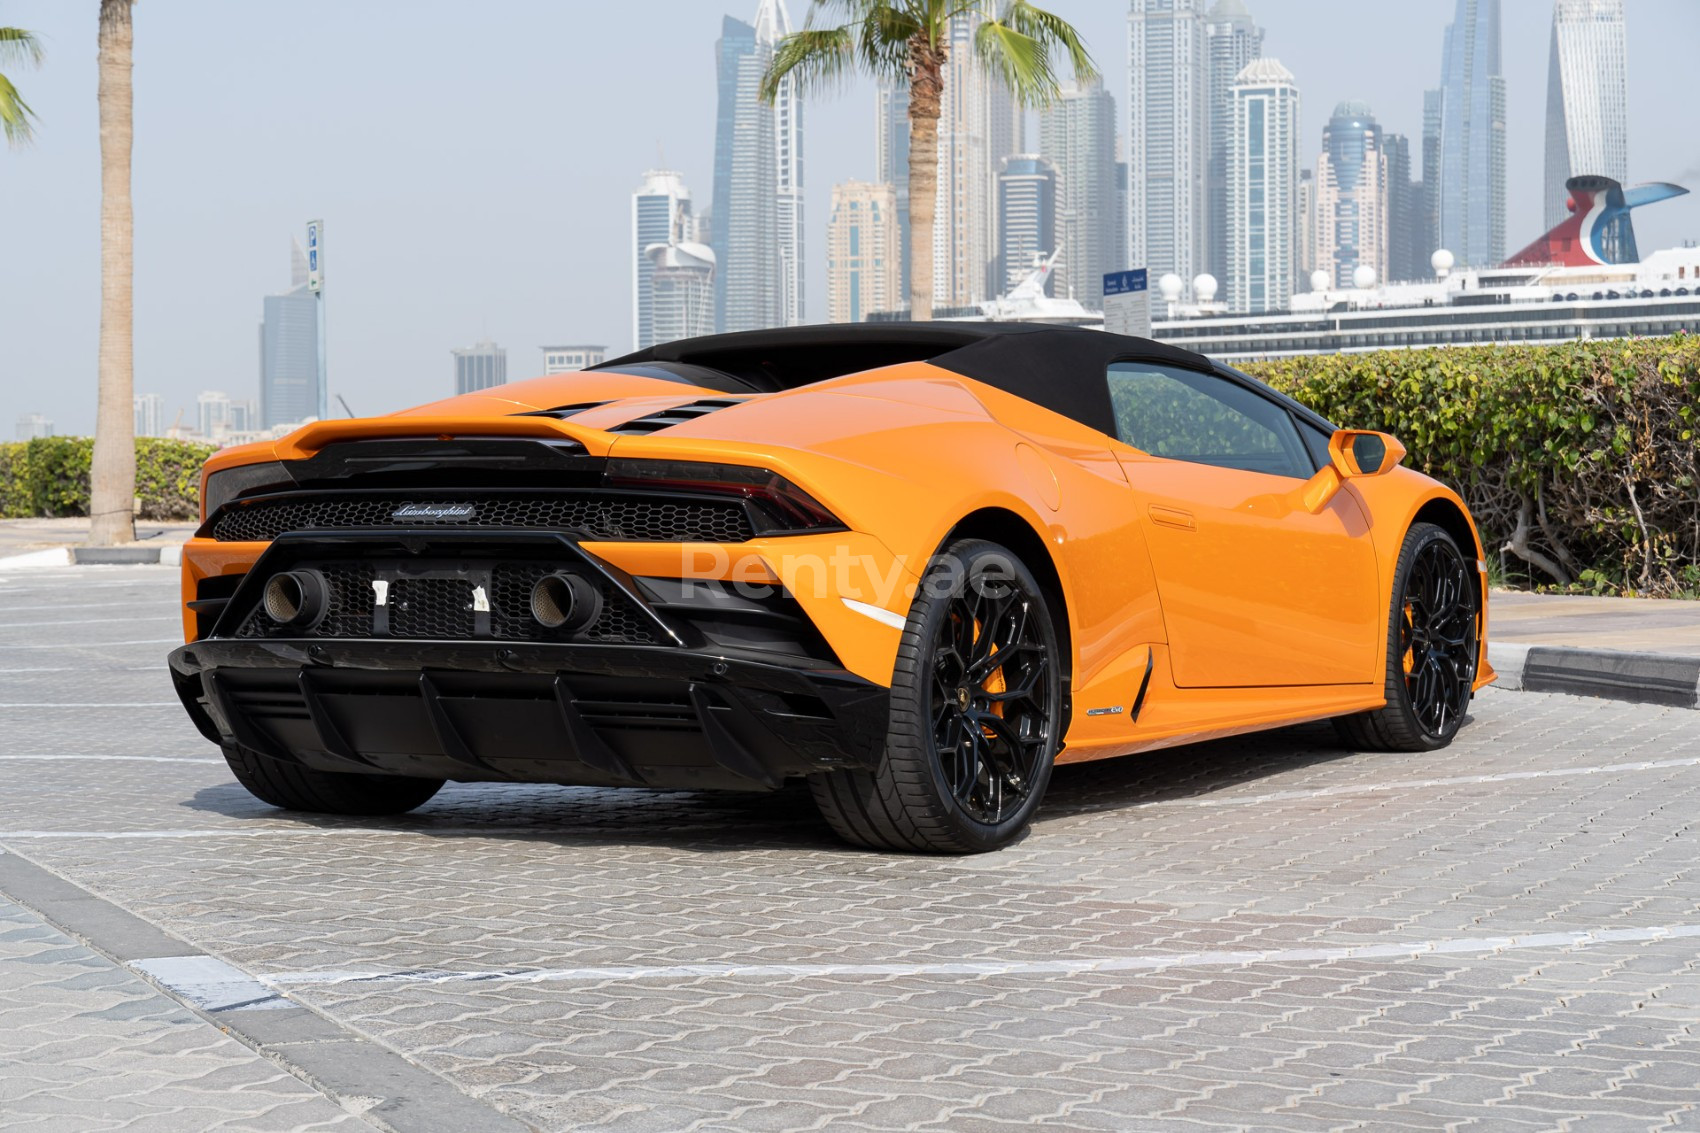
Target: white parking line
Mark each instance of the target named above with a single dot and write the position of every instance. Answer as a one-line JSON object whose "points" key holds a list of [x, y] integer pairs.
{"points": [[991, 969], [1419, 784], [90, 644], [69, 758], [93, 621], [113, 704]]}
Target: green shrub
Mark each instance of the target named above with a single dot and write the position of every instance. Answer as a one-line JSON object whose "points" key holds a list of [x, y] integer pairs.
{"points": [[50, 476], [1581, 459]]}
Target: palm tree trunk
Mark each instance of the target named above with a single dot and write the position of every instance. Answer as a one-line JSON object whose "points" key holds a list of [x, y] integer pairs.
{"points": [[926, 88], [112, 477]]}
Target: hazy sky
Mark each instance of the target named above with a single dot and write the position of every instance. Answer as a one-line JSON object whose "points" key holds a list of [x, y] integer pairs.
{"points": [[474, 165]]}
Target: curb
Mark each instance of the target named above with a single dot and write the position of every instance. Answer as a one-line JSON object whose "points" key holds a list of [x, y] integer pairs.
{"points": [[133, 554], [1640, 678]]}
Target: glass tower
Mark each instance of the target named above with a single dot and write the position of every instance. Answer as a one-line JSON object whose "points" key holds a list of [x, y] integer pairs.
{"points": [[1587, 98], [1234, 40], [1263, 182], [1472, 138], [661, 214], [1078, 135], [1168, 137]]}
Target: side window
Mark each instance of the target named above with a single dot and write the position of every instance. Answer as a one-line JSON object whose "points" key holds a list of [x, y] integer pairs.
{"points": [[1205, 419]]}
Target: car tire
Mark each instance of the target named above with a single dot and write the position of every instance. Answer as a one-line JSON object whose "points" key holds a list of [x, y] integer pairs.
{"points": [[293, 787], [976, 601], [1432, 638]]}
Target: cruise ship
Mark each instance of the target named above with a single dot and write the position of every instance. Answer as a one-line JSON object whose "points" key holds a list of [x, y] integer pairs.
{"points": [[1583, 279]]}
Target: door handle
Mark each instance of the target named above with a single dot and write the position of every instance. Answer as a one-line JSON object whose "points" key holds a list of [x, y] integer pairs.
{"points": [[1172, 517]]}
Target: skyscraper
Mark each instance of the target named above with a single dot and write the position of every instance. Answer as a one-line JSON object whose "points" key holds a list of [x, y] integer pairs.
{"points": [[1587, 98], [1428, 205], [480, 366], [977, 129], [1263, 166], [758, 181], [862, 270], [891, 160], [289, 358], [683, 281], [1351, 196], [773, 23], [1407, 255], [1233, 41], [1168, 137], [1472, 138], [212, 413], [150, 414], [1078, 134], [571, 359], [661, 210], [1304, 229], [33, 426], [1027, 216]]}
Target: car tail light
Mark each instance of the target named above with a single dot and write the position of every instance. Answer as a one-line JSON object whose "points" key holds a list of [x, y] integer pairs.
{"points": [[785, 506]]}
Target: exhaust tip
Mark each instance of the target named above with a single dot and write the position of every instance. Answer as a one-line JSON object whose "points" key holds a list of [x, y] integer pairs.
{"points": [[295, 598], [564, 601]]}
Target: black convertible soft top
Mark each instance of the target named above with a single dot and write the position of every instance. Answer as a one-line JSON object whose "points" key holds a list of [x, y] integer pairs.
{"points": [[1060, 368]]}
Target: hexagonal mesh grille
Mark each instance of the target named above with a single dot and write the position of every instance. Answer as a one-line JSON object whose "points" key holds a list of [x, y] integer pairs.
{"points": [[441, 609], [605, 516]]}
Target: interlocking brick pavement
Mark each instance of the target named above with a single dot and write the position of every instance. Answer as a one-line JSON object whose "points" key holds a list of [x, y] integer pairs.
{"points": [[86, 1045], [533, 945]]}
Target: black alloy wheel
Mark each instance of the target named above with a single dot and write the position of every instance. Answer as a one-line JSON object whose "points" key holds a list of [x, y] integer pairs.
{"points": [[990, 704], [1432, 643], [976, 714]]}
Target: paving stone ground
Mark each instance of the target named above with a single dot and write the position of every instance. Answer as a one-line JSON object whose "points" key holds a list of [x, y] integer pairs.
{"points": [[1268, 933]]}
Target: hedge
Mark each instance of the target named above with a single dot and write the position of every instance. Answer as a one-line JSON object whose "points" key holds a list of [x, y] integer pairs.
{"points": [[1580, 460], [50, 476]]}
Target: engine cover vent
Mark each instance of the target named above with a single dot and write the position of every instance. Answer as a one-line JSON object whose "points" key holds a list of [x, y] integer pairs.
{"points": [[678, 415]]}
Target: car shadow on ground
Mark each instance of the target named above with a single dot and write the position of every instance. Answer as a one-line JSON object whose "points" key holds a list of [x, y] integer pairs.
{"points": [[720, 821]]}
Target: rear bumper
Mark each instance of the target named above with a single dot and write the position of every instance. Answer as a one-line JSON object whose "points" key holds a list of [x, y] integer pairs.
{"points": [[602, 715]]}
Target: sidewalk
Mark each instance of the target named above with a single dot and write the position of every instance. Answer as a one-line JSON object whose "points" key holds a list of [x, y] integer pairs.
{"points": [[1635, 625], [33, 541]]}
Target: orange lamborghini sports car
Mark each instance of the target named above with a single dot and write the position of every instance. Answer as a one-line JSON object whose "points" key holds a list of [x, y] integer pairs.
{"points": [[914, 565]]}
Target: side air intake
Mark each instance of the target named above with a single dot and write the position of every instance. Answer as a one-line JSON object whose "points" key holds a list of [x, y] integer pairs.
{"points": [[678, 415]]}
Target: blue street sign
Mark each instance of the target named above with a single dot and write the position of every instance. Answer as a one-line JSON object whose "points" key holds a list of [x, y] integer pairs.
{"points": [[1123, 282]]}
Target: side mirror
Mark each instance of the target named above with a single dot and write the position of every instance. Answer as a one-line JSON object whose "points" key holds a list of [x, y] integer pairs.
{"points": [[1351, 452], [1359, 452]]}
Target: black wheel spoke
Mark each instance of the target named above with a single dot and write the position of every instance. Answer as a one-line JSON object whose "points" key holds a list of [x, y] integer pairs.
{"points": [[992, 690], [1437, 637]]}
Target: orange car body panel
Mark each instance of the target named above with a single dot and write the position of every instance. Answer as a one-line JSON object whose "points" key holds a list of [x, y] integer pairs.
{"points": [[1257, 614]]}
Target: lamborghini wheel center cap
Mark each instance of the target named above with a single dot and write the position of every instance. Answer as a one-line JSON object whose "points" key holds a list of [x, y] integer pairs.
{"points": [[963, 698]]}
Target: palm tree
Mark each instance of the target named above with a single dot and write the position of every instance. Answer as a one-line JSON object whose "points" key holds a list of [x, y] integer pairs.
{"points": [[908, 41], [16, 117], [112, 477]]}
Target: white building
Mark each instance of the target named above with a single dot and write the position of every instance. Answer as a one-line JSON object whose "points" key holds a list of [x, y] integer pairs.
{"points": [[863, 266], [1078, 135], [1233, 40], [150, 414], [1168, 138], [33, 426], [683, 282], [569, 359], [1263, 188], [1587, 98], [773, 23], [480, 366], [661, 209]]}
